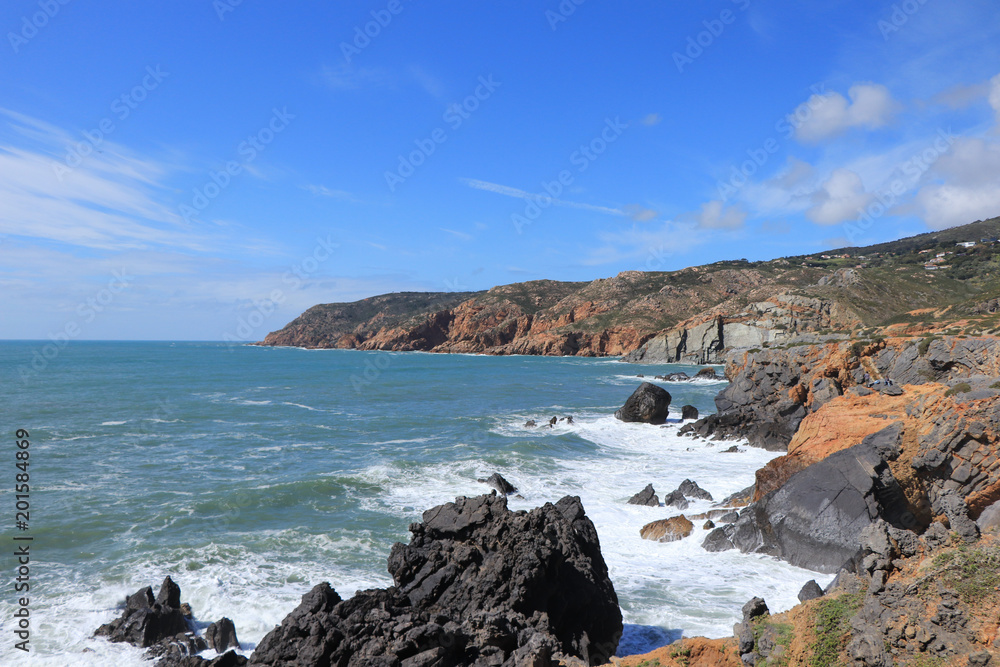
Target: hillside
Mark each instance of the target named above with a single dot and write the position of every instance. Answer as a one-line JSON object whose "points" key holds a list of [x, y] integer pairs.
{"points": [[692, 314]]}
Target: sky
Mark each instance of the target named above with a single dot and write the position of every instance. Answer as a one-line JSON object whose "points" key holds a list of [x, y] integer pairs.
{"points": [[208, 169]]}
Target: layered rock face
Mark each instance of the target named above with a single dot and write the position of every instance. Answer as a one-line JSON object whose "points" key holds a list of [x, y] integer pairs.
{"points": [[477, 585], [781, 318]]}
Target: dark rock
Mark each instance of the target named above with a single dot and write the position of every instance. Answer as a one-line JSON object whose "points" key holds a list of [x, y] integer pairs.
{"points": [[227, 659], [979, 659], [729, 517], [692, 490], [530, 424], [553, 421], [648, 404], [646, 497], [890, 390], [706, 374], [887, 443], [221, 635], [477, 585], [187, 643], [935, 536], [497, 482], [689, 412], [741, 497], [676, 499], [810, 591], [952, 506], [753, 608], [731, 450], [815, 518], [145, 620], [677, 377], [709, 525]]}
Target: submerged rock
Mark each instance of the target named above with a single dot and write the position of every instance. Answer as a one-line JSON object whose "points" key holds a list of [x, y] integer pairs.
{"points": [[648, 404], [477, 585]]}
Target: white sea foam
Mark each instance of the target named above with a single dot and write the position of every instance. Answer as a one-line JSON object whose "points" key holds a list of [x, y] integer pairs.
{"points": [[114, 423]]}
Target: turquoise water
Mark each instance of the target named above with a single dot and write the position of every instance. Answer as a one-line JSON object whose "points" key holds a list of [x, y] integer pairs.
{"points": [[250, 474]]}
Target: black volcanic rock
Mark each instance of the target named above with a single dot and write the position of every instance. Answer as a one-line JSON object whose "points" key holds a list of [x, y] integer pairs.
{"points": [[814, 520], [691, 489], [645, 497], [649, 404], [145, 620], [497, 481], [689, 412], [477, 585]]}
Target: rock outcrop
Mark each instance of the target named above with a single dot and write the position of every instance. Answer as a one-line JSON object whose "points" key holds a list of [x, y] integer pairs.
{"points": [[477, 585], [648, 404], [647, 497], [667, 530]]}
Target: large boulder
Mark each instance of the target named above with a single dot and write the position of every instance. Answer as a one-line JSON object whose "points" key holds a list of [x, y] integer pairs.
{"points": [[477, 585], [146, 620], [667, 530], [648, 404], [814, 520]]}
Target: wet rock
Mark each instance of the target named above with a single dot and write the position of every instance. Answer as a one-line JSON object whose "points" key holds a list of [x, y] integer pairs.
{"points": [[676, 499], [146, 620], [647, 497], [667, 530], [497, 481], [729, 517], [706, 374], [221, 635], [530, 424], [709, 525], [648, 404], [477, 585], [689, 412], [691, 489]]}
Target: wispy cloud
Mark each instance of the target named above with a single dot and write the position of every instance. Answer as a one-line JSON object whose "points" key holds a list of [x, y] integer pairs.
{"points": [[651, 119], [461, 235], [323, 191], [871, 106], [537, 198]]}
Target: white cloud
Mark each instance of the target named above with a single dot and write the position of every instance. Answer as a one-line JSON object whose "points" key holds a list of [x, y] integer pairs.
{"points": [[824, 116], [995, 95], [639, 213], [967, 186], [651, 119], [457, 234], [541, 199], [323, 191], [840, 198], [714, 215], [649, 247]]}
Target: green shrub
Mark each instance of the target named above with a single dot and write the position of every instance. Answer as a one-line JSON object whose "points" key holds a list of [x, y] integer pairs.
{"points": [[960, 388], [833, 616], [925, 344], [995, 385]]}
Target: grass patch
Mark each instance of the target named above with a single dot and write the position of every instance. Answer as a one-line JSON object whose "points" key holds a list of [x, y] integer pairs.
{"points": [[833, 628], [995, 385], [974, 573], [960, 388], [925, 344]]}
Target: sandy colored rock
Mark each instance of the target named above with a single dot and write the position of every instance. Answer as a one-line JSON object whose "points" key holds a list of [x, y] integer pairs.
{"points": [[667, 530]]}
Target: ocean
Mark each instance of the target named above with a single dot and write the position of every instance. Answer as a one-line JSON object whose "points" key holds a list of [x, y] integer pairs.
{"points": [[250, 474]]}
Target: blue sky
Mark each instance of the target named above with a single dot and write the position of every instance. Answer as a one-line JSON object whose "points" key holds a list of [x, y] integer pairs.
{"points": [[208, 170]]}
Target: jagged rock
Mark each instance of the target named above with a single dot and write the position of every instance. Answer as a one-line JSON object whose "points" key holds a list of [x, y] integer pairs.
{"points": [[979, 659], [221, 635], [815, 518], [187, 643], [646, 497], [689, 412], [706, 374], [691, 489], [676, 499], [729, 517], [227, 659], [731, 450], [667, 530], [753, 608], [868, 649], [952, 506], [936, 535], [741, 497], [146, 620], [810, 591], [477, 585], [497, 481], [530, 424], [648, 404], [709, 525]]}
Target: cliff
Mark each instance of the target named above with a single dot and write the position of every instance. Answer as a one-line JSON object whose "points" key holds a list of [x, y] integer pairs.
{"points": [[694, 315]]}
